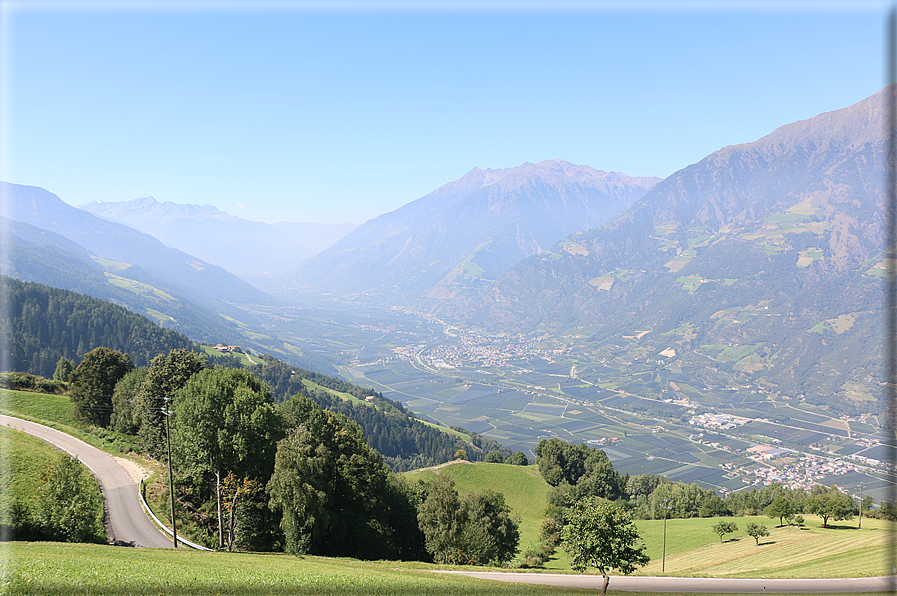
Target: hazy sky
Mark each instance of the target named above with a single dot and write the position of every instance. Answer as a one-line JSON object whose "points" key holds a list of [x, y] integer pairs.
{"points": [[302, 112]]}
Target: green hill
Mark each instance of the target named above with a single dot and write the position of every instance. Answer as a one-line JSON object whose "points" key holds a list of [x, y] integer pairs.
{"points": [[524, 489]]}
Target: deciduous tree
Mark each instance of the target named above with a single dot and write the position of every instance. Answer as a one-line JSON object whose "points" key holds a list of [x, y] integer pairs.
{"points": [[757, 531], [125, 399], [474, 529], [780, 508], [94, 380], [601, 534], [224, 421], [68, 507], [724, 527], [829, 503], [167, 374], [329, 486]]}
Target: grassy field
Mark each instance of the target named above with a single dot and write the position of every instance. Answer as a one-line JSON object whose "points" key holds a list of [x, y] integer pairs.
{"points": [[52, 569], [26, 457], [57, 411], [693, 549], [42, 407], [44, 569]]}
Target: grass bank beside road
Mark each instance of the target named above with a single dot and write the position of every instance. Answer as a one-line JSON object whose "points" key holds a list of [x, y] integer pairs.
{"points": [[51, 569]]}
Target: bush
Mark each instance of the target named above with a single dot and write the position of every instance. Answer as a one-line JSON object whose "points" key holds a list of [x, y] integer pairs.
{"points": [[19, 381], [69, 507]]}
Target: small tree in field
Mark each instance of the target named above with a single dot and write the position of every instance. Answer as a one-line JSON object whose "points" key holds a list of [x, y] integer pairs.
{"points": [[600, 534], [780, 508], [724, 527], [829, 503], [757, 531]]}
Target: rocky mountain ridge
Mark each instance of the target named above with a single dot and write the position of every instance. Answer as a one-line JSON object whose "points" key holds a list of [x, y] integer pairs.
{"points": [[471, 229]]}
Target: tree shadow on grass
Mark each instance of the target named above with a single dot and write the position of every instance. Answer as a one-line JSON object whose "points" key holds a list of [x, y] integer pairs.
{"points": [[836, 527]]}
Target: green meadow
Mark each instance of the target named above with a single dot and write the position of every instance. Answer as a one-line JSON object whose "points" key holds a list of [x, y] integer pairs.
{"points": [[24, 459], [692, 548], [52, 569]]}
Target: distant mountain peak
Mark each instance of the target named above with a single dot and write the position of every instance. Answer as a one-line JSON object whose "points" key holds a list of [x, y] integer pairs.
{"points": [[473, 228]]}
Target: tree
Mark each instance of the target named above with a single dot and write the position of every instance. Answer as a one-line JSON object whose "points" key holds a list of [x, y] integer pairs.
{"points": [[495, 457], [490, 534], [599, 477], [93, 382], [166, 375], [329, 486], [601, 534], [724, 527], [780, 508], [757, 531], [223, 421], [237, 495], [518, 458], [829, 503], [125, 397], [63, 370], [461, 454], [442, 521], [475, 529], [68, 506]]}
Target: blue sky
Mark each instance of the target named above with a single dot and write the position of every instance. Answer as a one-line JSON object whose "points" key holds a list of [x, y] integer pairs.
{"points": [[300, 112]]}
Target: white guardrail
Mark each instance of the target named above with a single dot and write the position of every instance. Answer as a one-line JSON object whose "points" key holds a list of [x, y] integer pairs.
{"points": [[163, 526]]}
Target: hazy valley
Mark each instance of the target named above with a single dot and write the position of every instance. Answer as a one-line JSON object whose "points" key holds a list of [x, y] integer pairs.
{"points": [[555, 299]]}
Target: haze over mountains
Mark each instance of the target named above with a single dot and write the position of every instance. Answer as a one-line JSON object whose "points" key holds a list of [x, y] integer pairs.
{"points": [[470, 230], [775, 246], [771, 249], [249, 249]]}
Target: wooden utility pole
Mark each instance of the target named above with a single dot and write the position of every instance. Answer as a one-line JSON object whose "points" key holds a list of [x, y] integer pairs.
{"points": [[860, 523], [174, 526], [663, 563]]}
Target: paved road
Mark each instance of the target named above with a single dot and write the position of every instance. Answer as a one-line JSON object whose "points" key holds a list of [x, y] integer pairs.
{"points": [[698, 584], [126, 522]]}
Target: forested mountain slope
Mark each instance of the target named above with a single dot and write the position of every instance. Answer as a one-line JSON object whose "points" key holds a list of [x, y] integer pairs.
{"points": [[41, 324], [773, 246]]}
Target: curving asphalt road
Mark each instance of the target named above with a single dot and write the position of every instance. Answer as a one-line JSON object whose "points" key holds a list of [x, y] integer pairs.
{"points": [[698, 584], [126, 523]]}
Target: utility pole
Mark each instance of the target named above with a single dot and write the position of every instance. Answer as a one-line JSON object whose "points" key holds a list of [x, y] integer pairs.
{"points": [[174, 526], [663, 564], [860, 523]]}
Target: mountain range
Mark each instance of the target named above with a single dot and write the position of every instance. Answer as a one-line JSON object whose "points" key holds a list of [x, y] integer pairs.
{"points": [[763, 262], [249, 249], [774, 246], [47, 241], [470, 230]]}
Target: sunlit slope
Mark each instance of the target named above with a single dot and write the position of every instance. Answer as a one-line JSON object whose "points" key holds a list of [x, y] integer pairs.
{"points": [[524, 489], [470, 230], [772, 247]]}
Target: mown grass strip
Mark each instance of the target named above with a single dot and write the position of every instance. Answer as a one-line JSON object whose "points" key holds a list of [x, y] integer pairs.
{"points": [[52, 569]]}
